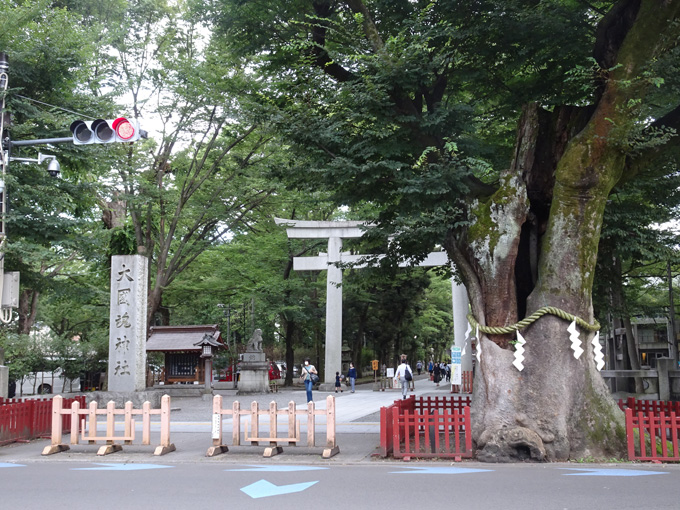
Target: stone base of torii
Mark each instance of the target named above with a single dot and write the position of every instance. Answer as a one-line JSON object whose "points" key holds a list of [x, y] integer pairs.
{"points": [[335, 232]]}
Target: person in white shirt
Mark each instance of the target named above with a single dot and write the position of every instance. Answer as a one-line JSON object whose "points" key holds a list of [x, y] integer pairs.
{"points": [[401, 374]]}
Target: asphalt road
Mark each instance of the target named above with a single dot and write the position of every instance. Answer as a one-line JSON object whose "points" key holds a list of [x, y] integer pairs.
{"points": [[218, 483]]}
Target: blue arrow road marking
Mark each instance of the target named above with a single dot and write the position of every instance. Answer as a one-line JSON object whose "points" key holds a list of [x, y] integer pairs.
{"points": [[439, 471], [612, 472], [277, 469], [264, 489], [7, 464], [121, 467]]}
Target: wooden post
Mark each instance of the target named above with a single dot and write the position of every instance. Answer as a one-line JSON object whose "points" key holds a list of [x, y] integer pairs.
{"points": [[254, 422], [236, 424], [311, 421], [57, 445], [110, 420], [272, 420], [110, 446], [146, 422], [331, 445], [129, 422], [217, 420], [75, 421], [273, 448], [92, 421], [217, 446], [292, 422], [166, 446]]}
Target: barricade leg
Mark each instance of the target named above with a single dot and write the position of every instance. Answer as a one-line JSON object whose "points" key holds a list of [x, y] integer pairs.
{"points": [[273, 448], [57, 445], [217, 447], [332, 447], [166, 446], [110, 447]]}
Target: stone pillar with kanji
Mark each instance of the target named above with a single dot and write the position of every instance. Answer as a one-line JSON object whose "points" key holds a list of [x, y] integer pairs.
{"points": [[127, 330]]}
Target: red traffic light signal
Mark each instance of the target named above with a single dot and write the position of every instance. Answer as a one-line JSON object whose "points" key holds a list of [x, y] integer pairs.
{"points": [[106, 131]]}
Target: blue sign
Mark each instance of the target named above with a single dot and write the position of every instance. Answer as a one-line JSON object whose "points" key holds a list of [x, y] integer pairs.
{"points": [[455, 355]]}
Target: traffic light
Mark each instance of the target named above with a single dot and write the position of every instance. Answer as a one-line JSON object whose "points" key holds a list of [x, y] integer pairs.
{"points": [[106, 131]]}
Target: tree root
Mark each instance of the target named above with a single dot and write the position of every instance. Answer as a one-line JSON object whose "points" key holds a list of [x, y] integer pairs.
{"points": [[516, 444]]}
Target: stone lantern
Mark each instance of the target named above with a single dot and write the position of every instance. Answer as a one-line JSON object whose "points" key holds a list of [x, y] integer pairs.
{"points": [[208, 347]]}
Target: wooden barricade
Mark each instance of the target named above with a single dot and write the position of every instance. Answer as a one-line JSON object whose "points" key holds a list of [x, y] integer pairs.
{"points": [[428, 435], [26, 419], [466, 387], [86, 429], [254, 436]]}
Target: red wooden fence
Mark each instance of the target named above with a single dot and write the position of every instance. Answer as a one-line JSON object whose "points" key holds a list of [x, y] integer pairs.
{"points": [[428, 435], [657, 436], [433, 404], [649, 406], [424, 427], [25, 419]]}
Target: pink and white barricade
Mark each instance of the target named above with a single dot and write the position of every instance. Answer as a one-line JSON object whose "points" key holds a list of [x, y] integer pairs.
{"points": [[84, 426], [254, 436]]}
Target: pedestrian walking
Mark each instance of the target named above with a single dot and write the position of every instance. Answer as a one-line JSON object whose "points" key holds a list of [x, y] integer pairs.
{"points": [[403, 375], [430, 368], [352, 375], [437, 372], [419, 367], [306, 376]]}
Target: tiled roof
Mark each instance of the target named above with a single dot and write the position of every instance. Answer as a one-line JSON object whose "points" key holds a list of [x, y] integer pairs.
{"points": [[180, 338]]}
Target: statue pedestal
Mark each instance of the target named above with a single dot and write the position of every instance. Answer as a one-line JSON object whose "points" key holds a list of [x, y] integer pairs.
{"points": [[254, 376], [254, 368]]}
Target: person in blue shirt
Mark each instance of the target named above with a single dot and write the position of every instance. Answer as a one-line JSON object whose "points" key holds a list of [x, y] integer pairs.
{"points": [[352, 375]]}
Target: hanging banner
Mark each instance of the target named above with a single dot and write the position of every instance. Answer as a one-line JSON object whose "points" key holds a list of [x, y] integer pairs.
{"points": [[456, 366]]}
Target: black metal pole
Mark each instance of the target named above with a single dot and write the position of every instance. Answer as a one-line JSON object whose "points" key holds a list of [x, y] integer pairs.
{"points": [[41, 141]]}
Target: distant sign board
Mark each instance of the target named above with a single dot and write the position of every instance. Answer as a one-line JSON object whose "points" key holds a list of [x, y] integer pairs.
{"points": [[456, 366]]}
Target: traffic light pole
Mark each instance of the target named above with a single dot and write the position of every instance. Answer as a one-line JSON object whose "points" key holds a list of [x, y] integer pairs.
{"points": [[41, 141]]}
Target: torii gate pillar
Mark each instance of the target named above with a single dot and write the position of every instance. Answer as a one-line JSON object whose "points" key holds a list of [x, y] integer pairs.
{"points": [[333, 355]]}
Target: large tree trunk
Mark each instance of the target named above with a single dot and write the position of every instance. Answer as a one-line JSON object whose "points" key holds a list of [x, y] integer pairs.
{"points": [[567, 162]]}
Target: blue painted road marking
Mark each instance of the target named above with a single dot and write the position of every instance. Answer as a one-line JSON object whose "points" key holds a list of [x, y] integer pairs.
{"points": [[439, 471], [121, 467], [264, 489], [277, 469], [612, 472], [7, 464]]}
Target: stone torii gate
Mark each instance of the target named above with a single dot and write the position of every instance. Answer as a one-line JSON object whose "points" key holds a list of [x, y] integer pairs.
{"points": [[335, 232]]}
